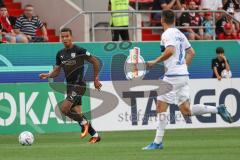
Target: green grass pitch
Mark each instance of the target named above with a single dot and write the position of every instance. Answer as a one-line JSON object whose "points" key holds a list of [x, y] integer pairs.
{"points": [[189, 144]]}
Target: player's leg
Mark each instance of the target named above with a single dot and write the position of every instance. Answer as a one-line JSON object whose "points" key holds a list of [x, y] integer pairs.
{"points": [[163, 118], [162, 115], [95, 136], [72, 107], [200, 109], [67, 111], [83, 124], [197, 109], [186, 109], [162, 121]]}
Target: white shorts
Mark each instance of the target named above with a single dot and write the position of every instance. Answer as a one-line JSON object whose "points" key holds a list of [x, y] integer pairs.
{"points": [[180, 91]]}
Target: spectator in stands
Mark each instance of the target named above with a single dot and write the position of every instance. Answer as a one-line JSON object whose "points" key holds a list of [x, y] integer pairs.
{"points": [[119, 19], [164, 4], [232, 7], [221, 20], [28, 24], [192, 19], [211, 4], [228, 33], [186, 3], [208, 23], [6, 28], [219, 64]]}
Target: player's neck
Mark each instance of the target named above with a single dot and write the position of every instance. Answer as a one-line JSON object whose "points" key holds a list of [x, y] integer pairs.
{"points": [[70, 46], [165, 27]]}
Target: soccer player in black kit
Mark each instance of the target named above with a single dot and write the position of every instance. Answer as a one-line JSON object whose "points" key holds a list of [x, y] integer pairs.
{"points": [[71, 59]]}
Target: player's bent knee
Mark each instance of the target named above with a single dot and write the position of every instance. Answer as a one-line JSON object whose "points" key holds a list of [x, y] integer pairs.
{"points": [[185, 111], [65, 110]]}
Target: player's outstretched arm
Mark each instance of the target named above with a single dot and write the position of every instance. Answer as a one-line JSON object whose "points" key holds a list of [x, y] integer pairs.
{"points": [[93, 60], [189, 56], [54, 73], [166, 54], [216, 73]]}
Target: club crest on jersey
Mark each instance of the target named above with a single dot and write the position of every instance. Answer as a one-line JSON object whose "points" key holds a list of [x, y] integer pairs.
{"points": [[73, 55], [74, 93]]}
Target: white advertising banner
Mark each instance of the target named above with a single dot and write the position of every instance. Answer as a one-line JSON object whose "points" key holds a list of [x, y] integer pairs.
{"points": [[140, 112]]}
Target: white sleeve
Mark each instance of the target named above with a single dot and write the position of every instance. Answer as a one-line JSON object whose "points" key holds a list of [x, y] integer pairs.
{"points": [[167, 40], [187, 44]]}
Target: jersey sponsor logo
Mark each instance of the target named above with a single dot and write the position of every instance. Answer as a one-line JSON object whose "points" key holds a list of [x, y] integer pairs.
{"points": [[74, 94], [73, 55], [69, 62]]}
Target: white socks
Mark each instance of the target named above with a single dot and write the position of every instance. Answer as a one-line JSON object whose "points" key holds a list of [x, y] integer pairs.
{"points": [[84, 121], [95, 135], [163, 119], [200, 109]]}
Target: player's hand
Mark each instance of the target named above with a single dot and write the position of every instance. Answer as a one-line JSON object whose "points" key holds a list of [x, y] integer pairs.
{"points": [[44, 75], [97, 84], [224, 58], [150, 64], [219, 78]]}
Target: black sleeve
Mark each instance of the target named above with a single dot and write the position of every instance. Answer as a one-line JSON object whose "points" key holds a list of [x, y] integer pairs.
{"points": [[214, 63], [83, 53], [109, 2], [58, 60]]}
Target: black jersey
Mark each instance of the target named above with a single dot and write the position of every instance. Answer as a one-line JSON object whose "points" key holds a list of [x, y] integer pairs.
{"points": [[220, 65], [72, 62]]}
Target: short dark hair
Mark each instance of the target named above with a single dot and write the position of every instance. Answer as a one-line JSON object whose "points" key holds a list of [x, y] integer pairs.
{"points": [[168, 16], [3, 6], [28, 5], [66, 30], [219, 50]]}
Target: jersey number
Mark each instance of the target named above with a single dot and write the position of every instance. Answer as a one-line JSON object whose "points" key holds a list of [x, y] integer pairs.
{"points": [[180, 59]]}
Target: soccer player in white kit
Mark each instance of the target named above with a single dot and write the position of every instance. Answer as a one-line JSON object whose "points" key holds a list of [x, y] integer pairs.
{"points": [[177, 55]]}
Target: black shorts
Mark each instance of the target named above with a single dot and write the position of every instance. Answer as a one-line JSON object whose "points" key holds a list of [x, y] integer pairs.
{"points": [[75, 93]]}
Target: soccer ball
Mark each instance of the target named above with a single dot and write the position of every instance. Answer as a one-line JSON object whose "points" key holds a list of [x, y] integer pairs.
{"points": [[226, 74], [26, 138]]}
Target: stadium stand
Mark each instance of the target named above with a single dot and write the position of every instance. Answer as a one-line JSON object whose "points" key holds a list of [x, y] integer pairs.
{"points": [[153, 34], [15, 9], [146, 20]]}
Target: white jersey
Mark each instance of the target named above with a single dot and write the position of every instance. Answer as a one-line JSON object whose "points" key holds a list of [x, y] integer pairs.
{"points": [[175, 65]]}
